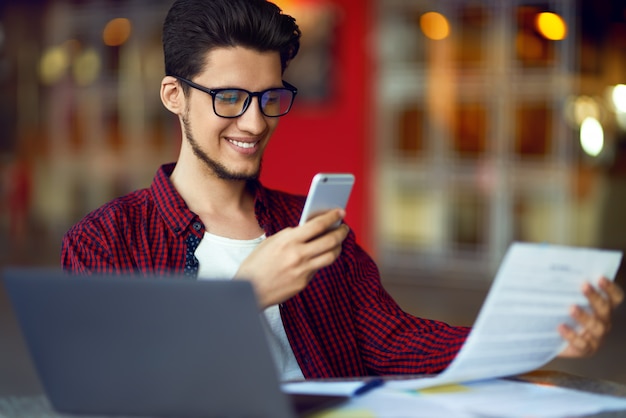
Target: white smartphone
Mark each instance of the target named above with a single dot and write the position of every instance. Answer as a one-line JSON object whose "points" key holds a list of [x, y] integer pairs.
{"points": [[327, 191]]}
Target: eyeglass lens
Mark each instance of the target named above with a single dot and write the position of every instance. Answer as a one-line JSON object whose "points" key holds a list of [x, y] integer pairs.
{"points": [[233, 102]]}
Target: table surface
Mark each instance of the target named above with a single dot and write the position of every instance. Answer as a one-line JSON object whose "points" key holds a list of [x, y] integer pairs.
{"points": [[575, 382], [18, 406], [580, 383]]}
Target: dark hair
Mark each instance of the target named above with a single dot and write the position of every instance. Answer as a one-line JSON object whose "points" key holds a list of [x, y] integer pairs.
{"points": [[194, 27]]}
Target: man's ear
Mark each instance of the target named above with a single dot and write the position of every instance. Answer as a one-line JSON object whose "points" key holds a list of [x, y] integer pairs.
{"points": [[172, 95]]}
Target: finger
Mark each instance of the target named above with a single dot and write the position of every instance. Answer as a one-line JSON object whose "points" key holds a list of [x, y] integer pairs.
{"points": [[324, 249], [320, 224], [328, 241], [590, 324], [323, 259], [598, 302], [613, 291], [578, 345]]}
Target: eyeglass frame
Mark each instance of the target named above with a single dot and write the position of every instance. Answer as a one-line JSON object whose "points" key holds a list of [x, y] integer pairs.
{"points": [[214, 92]]}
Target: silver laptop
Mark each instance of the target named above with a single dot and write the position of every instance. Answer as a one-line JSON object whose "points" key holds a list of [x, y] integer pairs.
{"points": [[134, 346]]}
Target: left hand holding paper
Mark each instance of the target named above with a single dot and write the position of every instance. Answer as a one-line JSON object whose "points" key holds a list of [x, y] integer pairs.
{"points": [[595, 322]]}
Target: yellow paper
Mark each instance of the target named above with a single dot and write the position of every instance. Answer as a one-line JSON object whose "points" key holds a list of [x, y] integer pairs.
{"points": [[444, 389], [344, 413]]}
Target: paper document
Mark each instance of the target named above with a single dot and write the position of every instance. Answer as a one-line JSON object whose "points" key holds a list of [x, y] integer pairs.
{"points": [[516, 329], [510, 399], [488, 398]]}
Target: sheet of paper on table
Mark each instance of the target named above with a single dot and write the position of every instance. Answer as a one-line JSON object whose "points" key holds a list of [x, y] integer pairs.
{"points": [[488, 398]]}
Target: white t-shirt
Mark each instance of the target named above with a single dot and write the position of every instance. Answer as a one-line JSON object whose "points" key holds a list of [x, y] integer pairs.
{"points": [[220, 258]]}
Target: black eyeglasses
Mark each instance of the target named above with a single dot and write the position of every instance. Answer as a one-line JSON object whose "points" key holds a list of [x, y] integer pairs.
{"points": [[232, 103]]}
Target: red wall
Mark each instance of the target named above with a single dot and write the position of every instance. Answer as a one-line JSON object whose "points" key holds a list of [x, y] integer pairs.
{"points": [[334, 135]]}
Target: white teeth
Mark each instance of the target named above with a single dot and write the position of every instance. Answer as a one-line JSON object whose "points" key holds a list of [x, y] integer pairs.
{"points": [[243, 144]]}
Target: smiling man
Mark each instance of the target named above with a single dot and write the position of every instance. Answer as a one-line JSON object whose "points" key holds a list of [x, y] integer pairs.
{"points": [[207, 216]]}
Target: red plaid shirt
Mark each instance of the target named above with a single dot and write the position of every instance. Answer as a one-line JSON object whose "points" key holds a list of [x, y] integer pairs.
{"points": [[343, 324]]}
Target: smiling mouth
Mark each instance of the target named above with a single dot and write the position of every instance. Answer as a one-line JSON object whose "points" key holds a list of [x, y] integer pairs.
{"points": [[243, 144]]}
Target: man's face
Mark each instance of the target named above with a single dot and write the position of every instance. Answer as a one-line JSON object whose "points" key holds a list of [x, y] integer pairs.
{"points": [[231, 148]]}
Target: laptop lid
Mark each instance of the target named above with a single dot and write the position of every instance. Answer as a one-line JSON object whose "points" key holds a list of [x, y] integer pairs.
{"points": [[129, 345]]}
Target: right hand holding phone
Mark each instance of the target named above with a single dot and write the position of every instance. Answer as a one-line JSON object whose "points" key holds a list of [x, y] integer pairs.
{"points": [[283, 264]]}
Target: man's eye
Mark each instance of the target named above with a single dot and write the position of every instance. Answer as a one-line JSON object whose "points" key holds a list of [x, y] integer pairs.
{"points": [[229, 97], [272, 99]]}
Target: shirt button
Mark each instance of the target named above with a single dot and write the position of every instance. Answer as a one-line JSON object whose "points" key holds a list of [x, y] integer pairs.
{"points": [[197, 226]]}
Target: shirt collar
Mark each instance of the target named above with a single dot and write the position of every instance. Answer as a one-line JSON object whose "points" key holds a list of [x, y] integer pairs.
{"points": [[169, 202], [177, 215]]}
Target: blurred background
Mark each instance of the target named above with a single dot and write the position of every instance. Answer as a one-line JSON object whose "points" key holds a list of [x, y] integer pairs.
{"points": [[468, 124]]}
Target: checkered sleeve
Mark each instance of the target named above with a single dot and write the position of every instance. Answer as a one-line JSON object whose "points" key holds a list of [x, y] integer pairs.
{"points": [[390, 340]]}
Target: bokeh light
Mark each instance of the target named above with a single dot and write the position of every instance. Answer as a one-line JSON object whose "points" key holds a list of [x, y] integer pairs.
{"points": [[618, 97], [116, 32], [591, 137], [434, 25], [53, 64], [551, 26]]}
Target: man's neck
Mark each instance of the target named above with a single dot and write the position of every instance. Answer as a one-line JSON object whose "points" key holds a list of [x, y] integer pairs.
{"points": [[226, 207]]}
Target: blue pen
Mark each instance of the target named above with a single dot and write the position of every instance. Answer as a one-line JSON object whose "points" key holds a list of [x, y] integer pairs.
{"points": [[369, 385]]}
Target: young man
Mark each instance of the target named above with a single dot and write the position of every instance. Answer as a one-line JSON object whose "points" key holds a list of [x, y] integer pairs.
{"points": [[208, 216]]}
